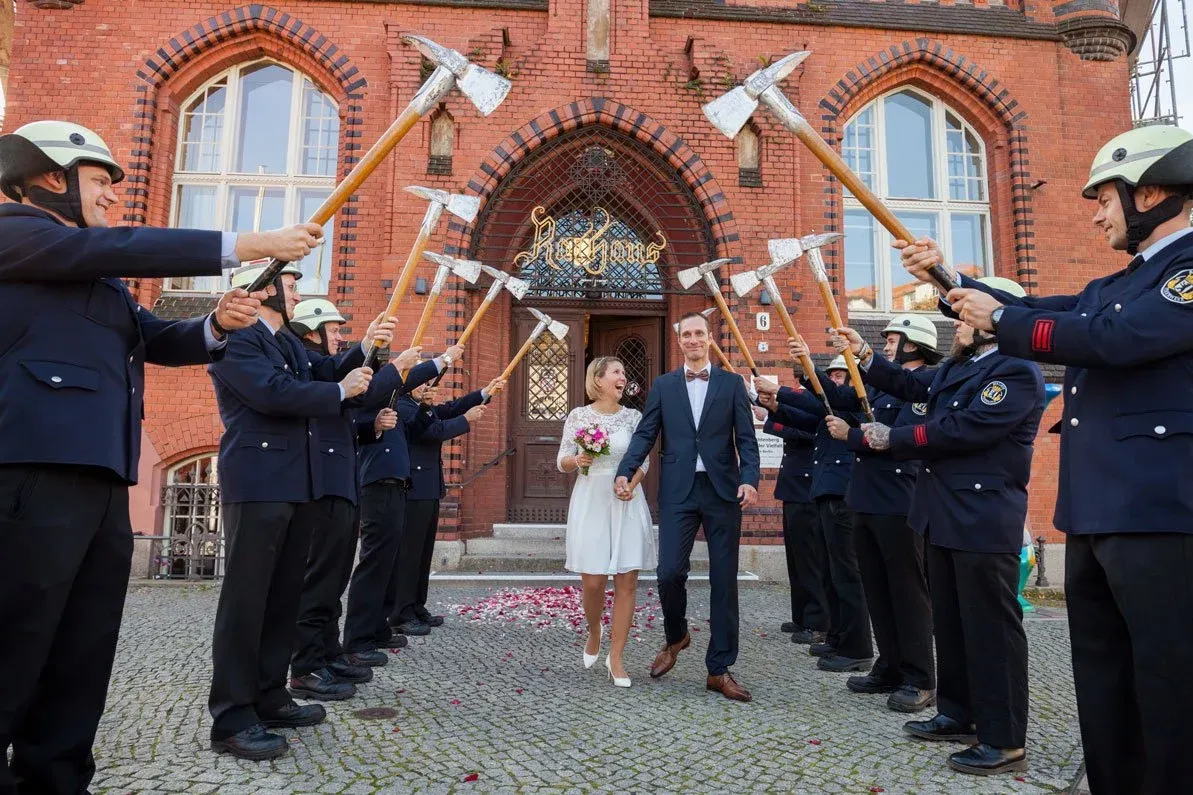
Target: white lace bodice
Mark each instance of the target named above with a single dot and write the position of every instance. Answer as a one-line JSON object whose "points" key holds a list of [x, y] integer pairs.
{"points": [[619, 426]]}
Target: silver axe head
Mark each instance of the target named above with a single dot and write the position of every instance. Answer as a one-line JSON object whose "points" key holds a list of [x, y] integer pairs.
{"points": [[485, 89], [557, 329], [517, 287], [690, 276], [707, 314], [730, 111], [788, 249], [466, 269], [463, 207]]}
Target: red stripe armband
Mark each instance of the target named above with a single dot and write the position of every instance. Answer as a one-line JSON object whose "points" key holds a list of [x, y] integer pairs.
{"points": [[1041, 335], [921, 435]]}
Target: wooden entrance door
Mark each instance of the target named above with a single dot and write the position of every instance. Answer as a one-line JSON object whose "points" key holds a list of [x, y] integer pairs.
{"points": [[550, 383]]}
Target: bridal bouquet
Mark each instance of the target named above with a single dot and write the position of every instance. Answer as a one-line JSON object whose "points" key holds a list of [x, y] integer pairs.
{"points": [[592, 439]]}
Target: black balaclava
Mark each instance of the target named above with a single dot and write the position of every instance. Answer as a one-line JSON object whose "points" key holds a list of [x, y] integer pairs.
{"points": [[1140, 225]]}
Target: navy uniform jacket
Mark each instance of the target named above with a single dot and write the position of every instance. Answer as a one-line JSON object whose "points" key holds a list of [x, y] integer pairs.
{"points": [[975, 445], [794, 483], [389, 456], [832, 462], [73, 343], [725, 440], [270, 390], [434, 426], [879, 484], [337, 438], [1126, 437]]}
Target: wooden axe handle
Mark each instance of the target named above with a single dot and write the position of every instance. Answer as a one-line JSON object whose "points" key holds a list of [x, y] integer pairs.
{"points": [[805, 361], [476, 319], [855, 375], [404, 279], [735, 331], [721, 357], [509, 368]]}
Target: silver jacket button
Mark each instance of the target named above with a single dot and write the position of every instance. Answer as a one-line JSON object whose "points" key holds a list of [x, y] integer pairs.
{"points": [[1074, 422], [1160, 430], [1118, 307], [898, 471], [57, 379], [977, 486], [1073, 391], [264, 444]]}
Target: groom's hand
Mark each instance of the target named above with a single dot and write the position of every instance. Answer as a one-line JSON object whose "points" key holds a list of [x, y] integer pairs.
{"points": [[747, 495], [621, 487]]}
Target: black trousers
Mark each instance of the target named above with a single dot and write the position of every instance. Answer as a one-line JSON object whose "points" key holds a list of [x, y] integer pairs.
{"points": [[255, 621], [678, 523], [382, 518], [333, 545], [850, 630], [805, 566], [1130, 602], [981, 648], [890, 557], [413, 571], [65, 547]]}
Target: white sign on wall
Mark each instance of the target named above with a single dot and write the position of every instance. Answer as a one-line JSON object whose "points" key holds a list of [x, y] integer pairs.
{"points": [[770, 448]]}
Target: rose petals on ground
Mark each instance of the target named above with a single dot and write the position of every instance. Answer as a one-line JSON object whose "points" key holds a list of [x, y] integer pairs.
{"points": [[471, 777]]}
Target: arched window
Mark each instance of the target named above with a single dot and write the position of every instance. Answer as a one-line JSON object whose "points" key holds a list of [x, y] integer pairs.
{"points": [[929, 167], [194, 541], [257, 149]]}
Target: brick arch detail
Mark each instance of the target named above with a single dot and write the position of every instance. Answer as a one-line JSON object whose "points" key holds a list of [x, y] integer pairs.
{"points": [[203, 50], [689, 167], [977, 95], [187, 437]]}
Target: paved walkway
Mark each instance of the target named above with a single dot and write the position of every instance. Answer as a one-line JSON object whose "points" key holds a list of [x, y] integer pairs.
{"points": [[498, 696]]}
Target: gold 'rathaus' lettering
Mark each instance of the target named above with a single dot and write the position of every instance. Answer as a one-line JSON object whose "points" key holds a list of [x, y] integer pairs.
{"points": [[590, 250]]}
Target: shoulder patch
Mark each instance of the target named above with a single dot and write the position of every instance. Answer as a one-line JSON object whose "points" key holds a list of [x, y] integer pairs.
{"points": [[994, 393], [1178, 288], [920, 409]]}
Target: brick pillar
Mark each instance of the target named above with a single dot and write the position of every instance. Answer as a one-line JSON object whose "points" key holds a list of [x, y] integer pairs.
{"points": [[1092, 29]]}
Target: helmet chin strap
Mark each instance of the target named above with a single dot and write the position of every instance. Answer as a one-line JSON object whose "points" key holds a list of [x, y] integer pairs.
{"points": [[68, 205], [1140, 225], [902, 355], [320, 346]]}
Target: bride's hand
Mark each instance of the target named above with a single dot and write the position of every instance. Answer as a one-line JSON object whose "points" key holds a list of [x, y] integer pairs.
{"points": [[583, 460], [621, 487]]}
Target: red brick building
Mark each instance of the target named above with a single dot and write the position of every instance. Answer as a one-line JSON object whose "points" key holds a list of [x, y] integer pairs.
{"points": [[976, 120]]}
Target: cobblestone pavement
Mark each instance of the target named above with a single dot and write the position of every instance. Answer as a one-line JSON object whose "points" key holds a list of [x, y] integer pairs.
{"points": [[499, 694]]}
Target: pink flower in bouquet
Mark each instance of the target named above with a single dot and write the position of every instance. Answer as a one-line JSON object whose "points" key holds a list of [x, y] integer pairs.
{"points": [[593, 440]]}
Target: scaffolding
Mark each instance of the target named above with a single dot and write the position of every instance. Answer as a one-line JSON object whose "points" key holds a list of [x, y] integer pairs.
{"points": [[1154, 81]]}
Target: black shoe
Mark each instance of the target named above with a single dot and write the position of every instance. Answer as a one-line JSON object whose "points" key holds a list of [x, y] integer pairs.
{"points": [[839, 664], [394, 642], [345, 671], [942, 727], [822, 649], [293, 716], [809, 637], [321, 685], [910, 698], [425, 616], [870, 684], [413, 628], [253, 743], [790, 626], [370, 658], [986, 760]]}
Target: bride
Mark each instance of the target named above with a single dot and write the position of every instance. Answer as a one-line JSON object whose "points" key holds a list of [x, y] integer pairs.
{"points": [[607, 534]]}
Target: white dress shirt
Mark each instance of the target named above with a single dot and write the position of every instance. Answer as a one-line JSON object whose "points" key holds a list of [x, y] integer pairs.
{"points": [[697, 389]]}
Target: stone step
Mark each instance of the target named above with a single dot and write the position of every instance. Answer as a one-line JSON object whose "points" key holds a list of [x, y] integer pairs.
{"points": [[512, 562], [515, 546], [544, 532]]}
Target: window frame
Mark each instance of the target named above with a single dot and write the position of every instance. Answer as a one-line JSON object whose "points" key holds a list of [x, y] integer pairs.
{"points": [[224, 180], [944, 207]]}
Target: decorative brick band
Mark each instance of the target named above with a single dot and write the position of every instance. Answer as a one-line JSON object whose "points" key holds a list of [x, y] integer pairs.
{"points": [[311, 51], [842, 99]]}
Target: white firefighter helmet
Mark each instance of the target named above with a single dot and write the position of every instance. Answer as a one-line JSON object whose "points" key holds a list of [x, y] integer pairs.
{"points": [[1004, 284], [1159, 154], [916, 328], [837, 363], [245, 274], [311, 314], [43, 146]]}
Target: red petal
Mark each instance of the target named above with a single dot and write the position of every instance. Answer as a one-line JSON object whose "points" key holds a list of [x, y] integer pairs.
{"points": [[455, 702], [877, 789], [1021, 778], [518, 690], [472, 777], [403, 690], [814, 742], [396, 730], [762, 635]]}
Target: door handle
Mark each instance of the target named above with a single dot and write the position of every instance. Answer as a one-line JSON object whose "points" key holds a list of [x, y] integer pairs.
{"points": [[546, 439]]}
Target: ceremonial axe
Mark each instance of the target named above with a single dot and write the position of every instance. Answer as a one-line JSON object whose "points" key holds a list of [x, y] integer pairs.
{"points": [[545, 323], [729, 113], [463, 207], [690, 276], [466, 269], [501, 280], [712, 344], [783, 253]]}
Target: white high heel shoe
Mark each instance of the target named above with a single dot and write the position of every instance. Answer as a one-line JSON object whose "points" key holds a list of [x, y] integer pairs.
{"points": [[618, 681], [590, 659]]}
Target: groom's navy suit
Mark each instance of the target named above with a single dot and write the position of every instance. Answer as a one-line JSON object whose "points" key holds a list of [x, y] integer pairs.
{"points": [[688, 499]]}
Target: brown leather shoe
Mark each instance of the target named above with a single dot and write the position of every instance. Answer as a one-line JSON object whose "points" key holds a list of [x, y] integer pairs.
{"points": [[728, 687], [665, 660]]}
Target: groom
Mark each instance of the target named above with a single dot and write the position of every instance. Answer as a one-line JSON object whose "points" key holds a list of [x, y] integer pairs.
{"points": [[704, 415]]}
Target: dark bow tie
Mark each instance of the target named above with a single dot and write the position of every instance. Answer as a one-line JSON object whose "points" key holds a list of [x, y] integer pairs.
{"points": [[702, 375]]}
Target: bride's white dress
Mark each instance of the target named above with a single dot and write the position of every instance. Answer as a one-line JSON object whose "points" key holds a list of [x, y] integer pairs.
{"points": [[604, 534]]}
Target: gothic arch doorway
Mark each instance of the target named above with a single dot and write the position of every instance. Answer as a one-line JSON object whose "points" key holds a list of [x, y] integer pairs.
{"points": [[598, 222]]}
